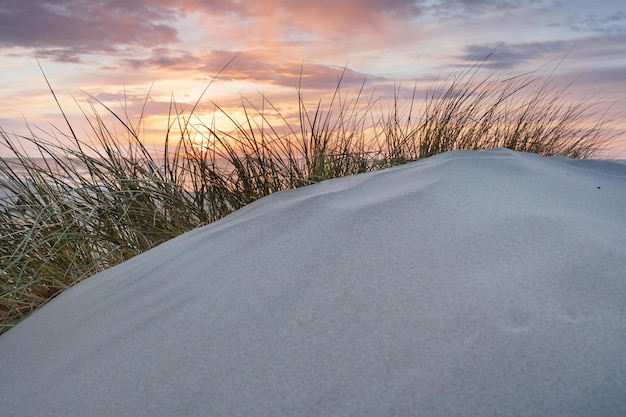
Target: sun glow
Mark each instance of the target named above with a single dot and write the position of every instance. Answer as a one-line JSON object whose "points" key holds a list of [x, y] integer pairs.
{"points": [[203, 139]]}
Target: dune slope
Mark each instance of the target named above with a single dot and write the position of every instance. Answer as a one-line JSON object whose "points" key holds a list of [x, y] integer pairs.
{"points": [[469, 283]]}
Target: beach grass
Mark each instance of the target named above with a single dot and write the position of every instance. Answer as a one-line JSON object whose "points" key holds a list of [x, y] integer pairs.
{"points": [[86, 203]]}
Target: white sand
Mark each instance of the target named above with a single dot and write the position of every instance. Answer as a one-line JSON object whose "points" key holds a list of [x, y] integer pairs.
{"points": [[467, 284]]}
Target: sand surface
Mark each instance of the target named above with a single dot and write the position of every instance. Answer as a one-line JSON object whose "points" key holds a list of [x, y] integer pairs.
{"points": [[467, 284]]}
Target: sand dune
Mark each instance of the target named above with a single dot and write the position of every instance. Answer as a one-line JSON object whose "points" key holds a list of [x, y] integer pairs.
{"points": [[470, 283]]}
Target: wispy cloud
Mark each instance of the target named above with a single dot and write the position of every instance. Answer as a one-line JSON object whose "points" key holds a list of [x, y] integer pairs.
{"points": [[467, 9], [607, 23], [66, 29], [312, 16], [256, 66], [511, 55]]}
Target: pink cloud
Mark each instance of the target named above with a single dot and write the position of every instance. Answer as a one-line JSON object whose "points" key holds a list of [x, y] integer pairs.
{"points": [[256, 66], [82, 27]]}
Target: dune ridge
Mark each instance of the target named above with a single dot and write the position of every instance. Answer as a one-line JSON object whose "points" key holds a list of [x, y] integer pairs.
{"points": [[469, 283]]}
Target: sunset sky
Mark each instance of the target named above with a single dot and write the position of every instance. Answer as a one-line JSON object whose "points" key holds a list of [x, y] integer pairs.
{"points": [[112, 48]]}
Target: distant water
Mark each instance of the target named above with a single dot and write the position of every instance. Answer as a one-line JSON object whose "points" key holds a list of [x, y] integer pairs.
{"points": [[14, 167], [17, 166]]}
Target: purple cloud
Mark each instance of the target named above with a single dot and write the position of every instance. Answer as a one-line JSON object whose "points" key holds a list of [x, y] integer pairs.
{"points": [[68, 28]]}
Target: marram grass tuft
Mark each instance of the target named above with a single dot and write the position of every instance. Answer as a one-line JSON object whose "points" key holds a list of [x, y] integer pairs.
{"points": [[84, 204]]}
